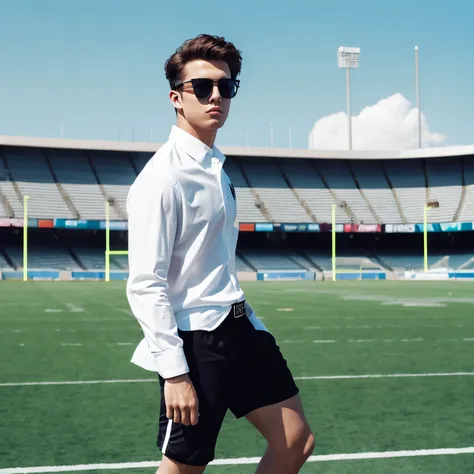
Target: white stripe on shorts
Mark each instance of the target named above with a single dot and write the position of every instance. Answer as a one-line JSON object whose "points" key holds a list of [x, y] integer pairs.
{"points": [[167, 436]]}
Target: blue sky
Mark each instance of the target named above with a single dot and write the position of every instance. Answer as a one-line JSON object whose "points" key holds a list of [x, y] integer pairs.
{"points": [[95, 65]]}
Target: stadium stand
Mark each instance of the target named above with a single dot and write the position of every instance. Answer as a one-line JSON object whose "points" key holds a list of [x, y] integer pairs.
{"points": [[32, 177], [307, 183], [74, 181], [249, 205], [75, 184], [409, 181], [241, 265], [372, 179], [268, 182], [338, 177], [74, 170], [407, 262], [467, 210], [444, 179], [3, 262], [115, 173], [11, 203], [271, 260]]}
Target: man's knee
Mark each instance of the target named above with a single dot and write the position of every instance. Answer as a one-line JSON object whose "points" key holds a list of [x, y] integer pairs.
{"points": [[309, 445], [296, 447], [169, 466]]}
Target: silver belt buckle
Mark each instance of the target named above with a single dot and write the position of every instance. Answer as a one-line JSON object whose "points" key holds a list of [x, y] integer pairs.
{"points": [[239, 309]]}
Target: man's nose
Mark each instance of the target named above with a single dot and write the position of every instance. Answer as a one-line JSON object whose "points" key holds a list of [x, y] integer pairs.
{"points": [[216, 95]]}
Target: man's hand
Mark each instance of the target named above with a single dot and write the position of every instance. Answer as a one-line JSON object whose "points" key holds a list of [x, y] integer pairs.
{"points": [[181, 400]]}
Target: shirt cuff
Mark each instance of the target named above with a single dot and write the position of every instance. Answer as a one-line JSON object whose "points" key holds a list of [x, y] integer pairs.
{"points": [[171, 363], [257, 323]]}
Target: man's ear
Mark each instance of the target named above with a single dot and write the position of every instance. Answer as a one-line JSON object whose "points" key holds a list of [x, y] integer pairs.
{"points": [[175, 99]]}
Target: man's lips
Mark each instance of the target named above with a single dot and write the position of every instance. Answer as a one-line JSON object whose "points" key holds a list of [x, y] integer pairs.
{"points": [[215, 111]]}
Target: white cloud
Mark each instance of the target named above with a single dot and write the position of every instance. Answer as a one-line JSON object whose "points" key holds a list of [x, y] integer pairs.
{"points": [[390, 124]]}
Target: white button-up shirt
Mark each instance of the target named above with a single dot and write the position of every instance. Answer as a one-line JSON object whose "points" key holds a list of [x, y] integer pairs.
{"points": [[182, 235]]}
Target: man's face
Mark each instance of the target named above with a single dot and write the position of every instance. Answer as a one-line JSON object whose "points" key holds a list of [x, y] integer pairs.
{"points": [[208, 113]]}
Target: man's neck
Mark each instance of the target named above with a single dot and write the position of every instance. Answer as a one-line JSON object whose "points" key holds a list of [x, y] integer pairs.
{"points": [[208, 137]]}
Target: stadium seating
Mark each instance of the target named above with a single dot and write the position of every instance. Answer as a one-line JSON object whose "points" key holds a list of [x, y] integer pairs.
{"points": [[408, 180], [116, 174], [344, 261], [370, 176], [247, 210], [73, 169], [269, 260], [408, 262], [339, 179], [467, 211], [7, 190], [267, 180], [445, 186], [30, 172], [308, 184], [464, 261], [241, 265], [42, 258], [3, 263], [75, 184]]}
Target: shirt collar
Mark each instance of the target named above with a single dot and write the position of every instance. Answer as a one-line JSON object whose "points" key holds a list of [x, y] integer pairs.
{"points": [[194, 147]]}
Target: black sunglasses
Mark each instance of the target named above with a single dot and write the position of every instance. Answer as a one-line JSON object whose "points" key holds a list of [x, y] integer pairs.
{"points": [[202, 87]]}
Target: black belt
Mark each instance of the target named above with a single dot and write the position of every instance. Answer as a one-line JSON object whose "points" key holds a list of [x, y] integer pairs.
{"points": [[238, 309]]}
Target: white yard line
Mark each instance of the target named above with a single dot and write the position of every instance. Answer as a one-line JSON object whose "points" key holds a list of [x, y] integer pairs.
{"points": [[416, 339], [240, 461], [315, 377], [127, 326], [293, 341], [385, 376], [386, 326], [283, 316]]}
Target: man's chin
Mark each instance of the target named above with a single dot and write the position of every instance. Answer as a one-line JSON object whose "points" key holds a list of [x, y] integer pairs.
{"points": [[212, 124]]}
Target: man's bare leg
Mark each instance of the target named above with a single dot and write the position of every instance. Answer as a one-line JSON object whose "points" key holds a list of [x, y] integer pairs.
{"points": [[289, 437], [168, 466]]}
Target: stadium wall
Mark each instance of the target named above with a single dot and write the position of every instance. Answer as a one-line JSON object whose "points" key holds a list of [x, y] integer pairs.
{"points": [[254, 227], [56, 275]]}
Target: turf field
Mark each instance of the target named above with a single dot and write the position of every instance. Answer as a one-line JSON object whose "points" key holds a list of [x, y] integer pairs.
{"points": [[334, 336]]}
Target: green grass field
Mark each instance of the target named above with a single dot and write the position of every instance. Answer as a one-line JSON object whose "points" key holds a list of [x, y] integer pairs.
{"points": [[56, 332]]}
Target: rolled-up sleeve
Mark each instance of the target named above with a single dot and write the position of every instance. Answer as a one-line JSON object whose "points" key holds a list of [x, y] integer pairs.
{"points": [[153, 210]]}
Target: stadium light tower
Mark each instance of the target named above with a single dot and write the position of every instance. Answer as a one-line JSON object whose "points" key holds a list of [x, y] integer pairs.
{"points": [[417, 78], [348, 58], [291, 136]]}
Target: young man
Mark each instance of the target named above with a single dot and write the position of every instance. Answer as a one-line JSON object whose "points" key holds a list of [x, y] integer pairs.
{"points": [[203, 339]]}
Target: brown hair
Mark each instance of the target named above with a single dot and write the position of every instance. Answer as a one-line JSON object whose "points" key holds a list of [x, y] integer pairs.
{"points": [[205, 47]]}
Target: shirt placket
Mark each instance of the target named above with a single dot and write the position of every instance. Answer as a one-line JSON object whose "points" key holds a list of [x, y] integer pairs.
{"points": [[219, 172]]}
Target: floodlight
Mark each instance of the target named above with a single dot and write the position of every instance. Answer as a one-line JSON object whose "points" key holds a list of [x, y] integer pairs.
{"points": [[348, 57]]}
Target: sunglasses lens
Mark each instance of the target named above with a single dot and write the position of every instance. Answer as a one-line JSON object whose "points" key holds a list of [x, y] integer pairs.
{"points": [[227, 88], [202, 88]]}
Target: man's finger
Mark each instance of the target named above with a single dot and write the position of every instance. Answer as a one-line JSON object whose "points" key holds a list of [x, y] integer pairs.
{"points": [[177, 416], [169, 412], [185, 416], [194, 415]]}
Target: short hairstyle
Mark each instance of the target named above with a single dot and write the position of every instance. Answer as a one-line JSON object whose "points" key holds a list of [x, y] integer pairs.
{"points": [[205, 47]]}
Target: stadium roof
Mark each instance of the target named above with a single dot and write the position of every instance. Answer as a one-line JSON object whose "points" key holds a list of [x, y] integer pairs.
{"points": [[128, 146]]}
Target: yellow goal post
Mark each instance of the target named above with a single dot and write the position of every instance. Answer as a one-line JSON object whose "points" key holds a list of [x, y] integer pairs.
{"points": [[108, 252]]}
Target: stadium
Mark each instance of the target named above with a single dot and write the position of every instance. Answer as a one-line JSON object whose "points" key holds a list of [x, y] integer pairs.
{"points": [[352, 258], [302, 214]]}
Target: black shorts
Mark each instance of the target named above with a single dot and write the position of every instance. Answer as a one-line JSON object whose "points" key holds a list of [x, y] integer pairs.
{"points": [[234, 367]]}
